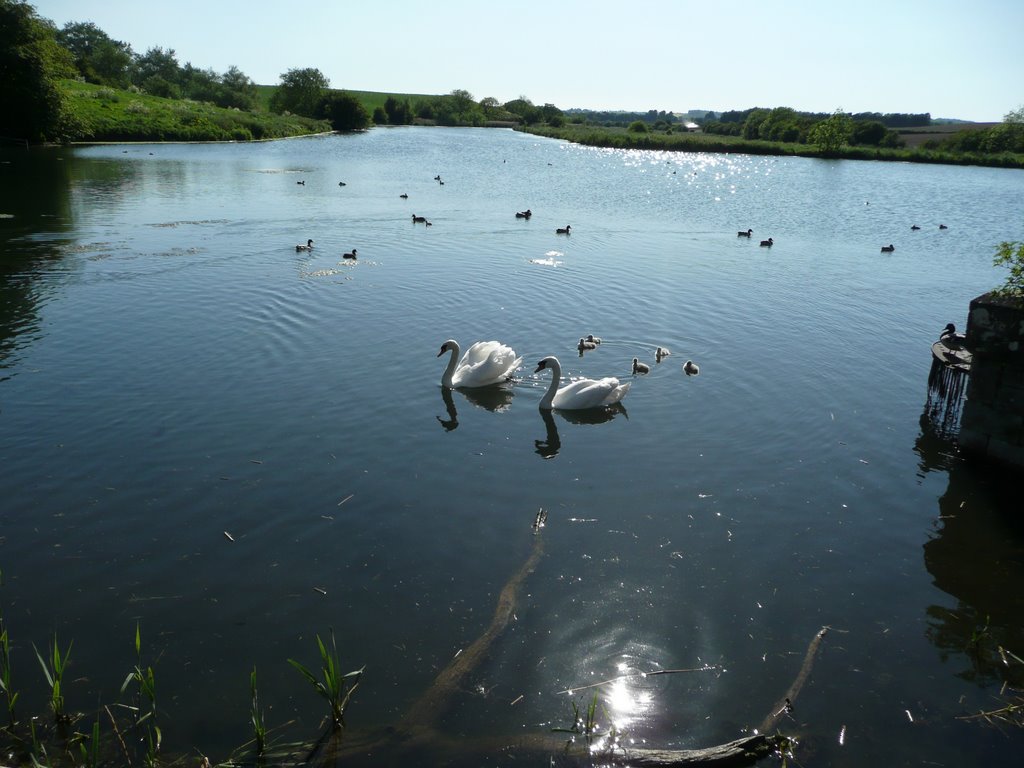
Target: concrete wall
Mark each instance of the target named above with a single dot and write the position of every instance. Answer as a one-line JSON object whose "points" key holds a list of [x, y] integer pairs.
{"points": [[992, 423]]}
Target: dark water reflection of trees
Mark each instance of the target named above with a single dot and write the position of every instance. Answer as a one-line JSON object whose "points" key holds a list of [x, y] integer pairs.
{"points": [[976, 555], [34, 197], [37, 209]]}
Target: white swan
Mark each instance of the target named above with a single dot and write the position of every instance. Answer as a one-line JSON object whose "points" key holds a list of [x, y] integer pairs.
{"points": [[579, 394], [486, 362]]}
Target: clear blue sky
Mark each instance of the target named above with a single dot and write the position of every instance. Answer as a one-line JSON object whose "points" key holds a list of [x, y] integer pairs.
{"points": [[947, 57]]}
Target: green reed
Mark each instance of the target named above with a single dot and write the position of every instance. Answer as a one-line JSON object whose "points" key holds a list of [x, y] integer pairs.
{"points": [[10, 695], [54, 666], [145, 694], [88, 746], [256, 715], [582, 725], [335, 688]]}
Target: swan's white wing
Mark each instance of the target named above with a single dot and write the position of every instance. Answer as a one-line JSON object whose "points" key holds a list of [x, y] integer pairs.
{"points": [[478, 353], [590, 393], [486, 362]]}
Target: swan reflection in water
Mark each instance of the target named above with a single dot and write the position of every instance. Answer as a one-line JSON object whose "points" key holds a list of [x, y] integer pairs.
{"points": [[549, 447], [494, 399]]}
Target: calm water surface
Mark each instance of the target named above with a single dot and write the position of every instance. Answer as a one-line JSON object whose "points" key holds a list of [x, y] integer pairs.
{"points": [[172, 371]]}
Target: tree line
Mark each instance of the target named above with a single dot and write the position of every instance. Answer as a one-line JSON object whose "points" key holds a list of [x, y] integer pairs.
{"points": [[460, 108], [788, 125], [35, 56]]}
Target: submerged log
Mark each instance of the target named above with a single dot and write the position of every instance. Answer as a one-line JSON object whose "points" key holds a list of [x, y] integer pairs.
{"points": [[429, 708], [418, 739]]}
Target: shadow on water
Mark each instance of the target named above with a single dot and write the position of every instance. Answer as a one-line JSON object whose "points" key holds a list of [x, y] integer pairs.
{"points": [[976, 556]]}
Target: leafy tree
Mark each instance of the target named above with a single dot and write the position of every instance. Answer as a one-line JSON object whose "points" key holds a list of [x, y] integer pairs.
{"points": [[301, 91], [458, 108], [723, 129], [1011, 255], [1005, 137], [31, 62], [637, 126], [425, 109], [781, 124], [752, 124], [239, 90], [1008, 137], [345, 112], [832, 133], [398, 112], [200, 84], [1015, 115], [549, 111], [380, 116], [523, 107], [98, 58], [158, 66], [735, 116], [462, 100], [158, 86], [893, 140], [870, 132]]}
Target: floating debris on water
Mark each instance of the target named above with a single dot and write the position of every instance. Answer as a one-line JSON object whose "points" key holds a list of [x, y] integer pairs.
{"points": [[540, 520]]}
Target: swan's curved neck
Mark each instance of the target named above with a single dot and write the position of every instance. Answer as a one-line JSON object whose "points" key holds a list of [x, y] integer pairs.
{"points": [[446, 379], [556, 378]]}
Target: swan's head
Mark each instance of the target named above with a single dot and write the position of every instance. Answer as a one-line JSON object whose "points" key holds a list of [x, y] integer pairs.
{"points": [[546, 363], [448, 346]]}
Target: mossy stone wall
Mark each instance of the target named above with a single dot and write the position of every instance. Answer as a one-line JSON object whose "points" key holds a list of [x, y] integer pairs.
{"points": [[992, 423]]}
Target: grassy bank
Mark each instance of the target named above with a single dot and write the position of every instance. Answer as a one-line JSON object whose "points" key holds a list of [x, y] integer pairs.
{"points": [[109, 114], [369, 99], [622, 138]]}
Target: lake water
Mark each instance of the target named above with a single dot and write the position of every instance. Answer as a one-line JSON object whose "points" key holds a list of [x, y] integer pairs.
{"points": [[237, 446]]}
